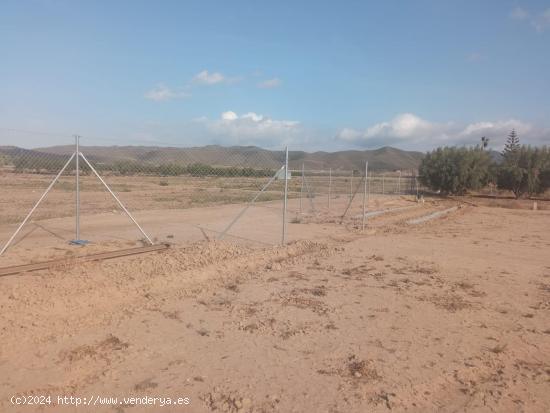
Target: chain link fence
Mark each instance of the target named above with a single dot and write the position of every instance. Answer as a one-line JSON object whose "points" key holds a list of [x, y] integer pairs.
{"points": [[172, 193], [340, 195]]}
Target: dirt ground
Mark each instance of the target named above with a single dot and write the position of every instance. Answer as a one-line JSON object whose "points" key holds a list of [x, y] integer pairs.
{"points": [[449, 315], [145, 193], [261, 225]]}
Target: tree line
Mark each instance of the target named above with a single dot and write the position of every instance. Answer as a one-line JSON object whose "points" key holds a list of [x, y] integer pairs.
{"points": [[45, 165], [524, 170]]}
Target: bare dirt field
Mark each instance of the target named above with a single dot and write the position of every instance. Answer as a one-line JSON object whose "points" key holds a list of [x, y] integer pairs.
{"points": [[448, 315]]}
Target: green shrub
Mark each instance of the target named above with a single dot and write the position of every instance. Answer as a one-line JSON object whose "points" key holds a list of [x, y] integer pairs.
{"points": [[525, 170], [454, 170]]}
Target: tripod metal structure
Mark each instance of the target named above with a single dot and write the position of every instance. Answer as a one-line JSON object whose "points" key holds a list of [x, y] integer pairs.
{"points": [[77, 241]]}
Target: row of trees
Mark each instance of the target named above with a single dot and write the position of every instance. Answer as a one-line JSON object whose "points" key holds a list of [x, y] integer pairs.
{"points": [[524, 170], [174, 169], [48, 165]]}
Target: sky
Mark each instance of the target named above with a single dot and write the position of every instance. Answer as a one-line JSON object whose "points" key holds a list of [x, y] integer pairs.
{"points": [[313, 75]]}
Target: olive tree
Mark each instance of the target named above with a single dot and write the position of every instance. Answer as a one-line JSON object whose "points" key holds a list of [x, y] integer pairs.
{"points": [[455, 170]]}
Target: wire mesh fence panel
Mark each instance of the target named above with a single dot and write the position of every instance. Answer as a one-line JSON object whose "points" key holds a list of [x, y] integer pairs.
{"points": [[322, 195], [343, 196], [24, 176], [392, 184], [157, 193], [200, 190], [176, 194]]}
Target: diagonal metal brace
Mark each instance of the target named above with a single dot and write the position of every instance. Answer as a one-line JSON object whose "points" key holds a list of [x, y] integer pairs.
{"points": [[36, 205], [351, 200], [116, 199], [224, 232]]}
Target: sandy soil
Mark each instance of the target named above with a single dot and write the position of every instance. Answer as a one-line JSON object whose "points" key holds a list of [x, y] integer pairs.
{"points": [[261, 225], [449, 315], [142, 193]]}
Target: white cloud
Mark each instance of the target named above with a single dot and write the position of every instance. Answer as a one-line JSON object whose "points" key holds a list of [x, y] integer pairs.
{"points": [[519, 14], [229, 115], [540, 21], [213, 78], [253, 116], [493, 129], [402, 128], [270, 83], [411, 131], [252, 128], [163, 93], [207, 78]]}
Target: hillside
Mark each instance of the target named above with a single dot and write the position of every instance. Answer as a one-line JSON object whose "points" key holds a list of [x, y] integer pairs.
{"points": [[383, 159]]}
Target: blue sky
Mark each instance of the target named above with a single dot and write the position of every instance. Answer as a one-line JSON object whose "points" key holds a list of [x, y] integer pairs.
{"points": [[310, 74]]}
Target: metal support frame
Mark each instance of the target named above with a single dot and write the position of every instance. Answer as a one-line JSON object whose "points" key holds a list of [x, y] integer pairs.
{"points": [[350, 201], [249, 204], [36, 205], [116, 198], [77, 240], [75, 155], [77, 178]]}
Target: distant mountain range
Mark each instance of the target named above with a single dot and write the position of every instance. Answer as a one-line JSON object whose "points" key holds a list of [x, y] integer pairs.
{"points": [[383, 159]]}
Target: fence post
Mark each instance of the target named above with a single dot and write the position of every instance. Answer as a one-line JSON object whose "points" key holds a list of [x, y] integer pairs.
{"points": [[77, 179], [383, 186], [351, 185], [399, 183], [302, 188], [329, 186], [365, 195], [286, 197]]}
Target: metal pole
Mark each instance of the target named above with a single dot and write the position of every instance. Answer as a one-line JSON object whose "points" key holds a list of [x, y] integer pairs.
{"points": [[329, 186], [351, 185], [365, 196], [350, 202], [222, 234], [310, 195], [399, 184], [302, 188], [116, 199], [77, 178], [286, 197], [36, 205], [382, 184]]}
